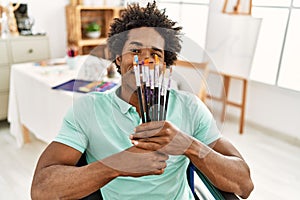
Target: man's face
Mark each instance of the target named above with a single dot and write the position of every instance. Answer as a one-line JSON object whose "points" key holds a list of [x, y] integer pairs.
{"points": [[144, 42]]}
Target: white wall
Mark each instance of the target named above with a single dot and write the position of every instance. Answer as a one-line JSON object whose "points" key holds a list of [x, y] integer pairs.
{"points": [[274, 108], [49, 17]]}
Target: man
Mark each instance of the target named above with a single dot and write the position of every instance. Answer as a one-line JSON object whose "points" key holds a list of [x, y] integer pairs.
{"points": [[127, 159]]}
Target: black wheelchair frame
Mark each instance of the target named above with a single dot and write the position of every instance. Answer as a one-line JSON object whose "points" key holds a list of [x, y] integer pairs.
{"points": [[191, 172]]}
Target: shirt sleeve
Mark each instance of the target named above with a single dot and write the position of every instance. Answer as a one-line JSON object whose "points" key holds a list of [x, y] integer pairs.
{"points": [[71, 134], [206, 128]]}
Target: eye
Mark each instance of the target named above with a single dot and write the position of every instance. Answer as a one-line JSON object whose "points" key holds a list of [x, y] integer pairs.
{"points": [[158, 54], [136, 51]]}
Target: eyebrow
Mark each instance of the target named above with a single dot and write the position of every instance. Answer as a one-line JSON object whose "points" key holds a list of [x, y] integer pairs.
{"points": [[140, 44], [136, 43]]}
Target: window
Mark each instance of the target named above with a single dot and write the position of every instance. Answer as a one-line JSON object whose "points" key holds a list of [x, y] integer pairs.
{"points": [[271, 3], [191, 16], [268, 49], [296, 3], [173, 10], [289, 75], [276, 60], [198, 15]]}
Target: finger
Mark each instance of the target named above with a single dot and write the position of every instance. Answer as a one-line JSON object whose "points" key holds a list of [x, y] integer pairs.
{"points": [[145, 134], [158, 140], [146, 145], [163, 156], [149, 126], [161, 165], [164, 165], [159, 172]]}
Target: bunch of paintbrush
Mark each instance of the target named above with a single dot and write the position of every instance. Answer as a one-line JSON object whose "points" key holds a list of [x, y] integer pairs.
{"points": [[153, 88]]}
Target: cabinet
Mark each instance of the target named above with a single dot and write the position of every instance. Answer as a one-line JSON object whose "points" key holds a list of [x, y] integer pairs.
{"points": [[16, 50], [79, 16]]}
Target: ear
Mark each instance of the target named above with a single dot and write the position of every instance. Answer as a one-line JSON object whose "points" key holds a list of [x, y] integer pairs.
{"points": [[118, 60]]}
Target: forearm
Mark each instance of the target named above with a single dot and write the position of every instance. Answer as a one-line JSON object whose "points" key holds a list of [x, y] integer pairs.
{"points": [[69, 182], [228, 173]]}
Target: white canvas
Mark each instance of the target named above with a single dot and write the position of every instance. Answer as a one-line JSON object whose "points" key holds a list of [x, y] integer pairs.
{"points": [[231, 40]]}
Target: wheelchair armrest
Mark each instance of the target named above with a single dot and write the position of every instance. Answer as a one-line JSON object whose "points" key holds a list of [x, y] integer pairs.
{"points": [[95, 195], [216, 193]]}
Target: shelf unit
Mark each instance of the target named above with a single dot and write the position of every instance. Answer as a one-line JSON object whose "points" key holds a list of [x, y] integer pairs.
{"points": [[14, 50], [78, 16]]}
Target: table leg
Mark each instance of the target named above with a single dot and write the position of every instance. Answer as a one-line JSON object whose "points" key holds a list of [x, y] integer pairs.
{"points": [[26, 134], [243, 105], [225, 96]]}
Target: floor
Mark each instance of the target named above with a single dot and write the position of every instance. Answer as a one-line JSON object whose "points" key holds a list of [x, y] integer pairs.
{"points": [[274, 163]]}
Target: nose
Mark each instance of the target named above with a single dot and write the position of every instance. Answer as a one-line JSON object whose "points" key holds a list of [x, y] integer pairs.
{"points": [[146, 53]]}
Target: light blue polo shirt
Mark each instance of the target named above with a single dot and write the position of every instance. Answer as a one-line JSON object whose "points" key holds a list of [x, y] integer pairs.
{"points": [[100, 124]]}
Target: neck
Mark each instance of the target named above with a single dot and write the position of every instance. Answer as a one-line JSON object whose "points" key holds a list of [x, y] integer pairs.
{"points": [[131, 98]]}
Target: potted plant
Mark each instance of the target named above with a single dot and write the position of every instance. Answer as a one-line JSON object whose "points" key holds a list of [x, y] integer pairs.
{"points": [[93, 30]]}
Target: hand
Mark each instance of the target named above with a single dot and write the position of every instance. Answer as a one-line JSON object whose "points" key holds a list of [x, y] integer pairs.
{"points": [[161, 136], [137, 162]]}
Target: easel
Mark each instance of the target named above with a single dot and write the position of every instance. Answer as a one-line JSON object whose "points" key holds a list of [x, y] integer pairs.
{"points": [[227, 78], [236, 8]]}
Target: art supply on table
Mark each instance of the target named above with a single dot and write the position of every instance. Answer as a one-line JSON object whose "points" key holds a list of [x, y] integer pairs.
{"points": [[72, 85], [90, 86], [72, 53], [51, 62], [84, 86], [105, 86]]}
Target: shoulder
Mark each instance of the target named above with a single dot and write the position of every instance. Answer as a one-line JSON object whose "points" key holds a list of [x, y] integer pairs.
{"points": [[89, 101], [187, 98], [93, 97], [83, 108], [191, 104]]}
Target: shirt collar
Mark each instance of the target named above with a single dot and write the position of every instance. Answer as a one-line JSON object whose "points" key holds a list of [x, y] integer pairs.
{"points": [[123, 105]]}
